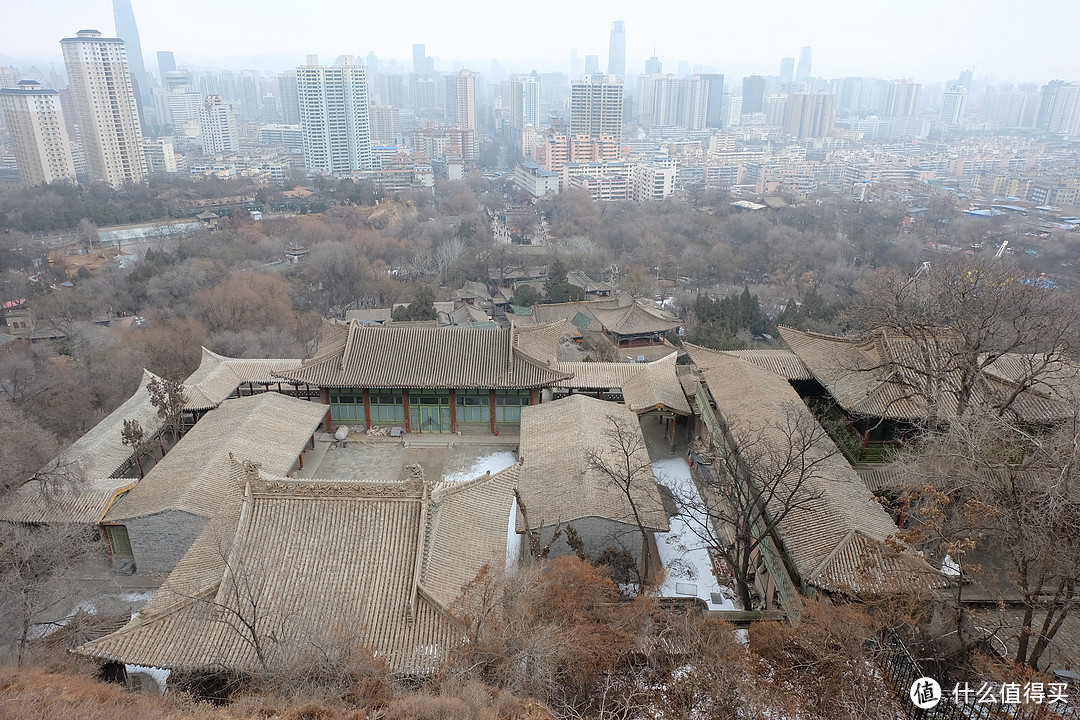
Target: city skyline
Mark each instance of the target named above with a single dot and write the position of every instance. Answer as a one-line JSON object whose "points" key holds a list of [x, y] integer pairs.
{"points": [[1002, 40]]}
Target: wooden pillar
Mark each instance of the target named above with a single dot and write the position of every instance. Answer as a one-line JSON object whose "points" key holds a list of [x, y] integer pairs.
{"points": [[312, 441], [492, 405], [326, 402], [301, 458], [367, 408], [453, 411], [405, 397], [532, 396]]}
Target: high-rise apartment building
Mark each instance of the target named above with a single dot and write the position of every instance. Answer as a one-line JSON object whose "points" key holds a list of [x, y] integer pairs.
{"points": [[334, 116], [217, 127], [524, 102], [385, 126], [36, 124], [461, 99], [290, 102], [1059, 108], [105, 107], [954, 105], [802, 70], [616, 64], [753, 92], [810, 115], [128, 31], [903, 98], [670, 101], [1010, 109], [596, 106]]}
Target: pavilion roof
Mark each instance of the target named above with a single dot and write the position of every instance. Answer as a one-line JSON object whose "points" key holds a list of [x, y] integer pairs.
{"points": [[656, 387]]}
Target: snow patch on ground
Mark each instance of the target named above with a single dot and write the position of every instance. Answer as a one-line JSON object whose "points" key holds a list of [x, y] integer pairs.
{"points": [[44, 630], [687, 566], [160, 675], [513, 540], [496, 462], [950, 566]]}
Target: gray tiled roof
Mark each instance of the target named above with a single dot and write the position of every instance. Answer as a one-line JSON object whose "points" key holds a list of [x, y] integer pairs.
{"points": [[409, 357], [840, 540], [558, 484], [324, 561]]}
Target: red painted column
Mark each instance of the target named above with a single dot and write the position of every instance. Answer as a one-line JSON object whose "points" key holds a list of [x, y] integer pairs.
{"points": [[532, 397], [492, 400], [326, 401], [453, 411], [367, 408], [405, 395]]}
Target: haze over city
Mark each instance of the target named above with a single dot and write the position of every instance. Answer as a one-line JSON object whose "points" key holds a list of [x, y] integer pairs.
{"points": [[1004, 40]]}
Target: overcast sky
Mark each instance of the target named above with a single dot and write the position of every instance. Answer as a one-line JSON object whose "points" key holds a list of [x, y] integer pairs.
{"points": [[927, 40]]}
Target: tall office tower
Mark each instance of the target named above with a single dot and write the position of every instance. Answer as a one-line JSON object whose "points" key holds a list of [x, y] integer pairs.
{"points": [[290, 102], [128, 31], [653, 66], [217, 126], [810, 115], [461, 99], [787, 70], [166, 63], [592, 66], [385, 125], [903, 98], [616, 63], [596, 106], [802, 70], [105, 107], [577, 65], [753, 92], [372, 64], [33, 118], [714, 99], [966, 78], [334, 116], [954, 105], [524, 102], [422, 63]]}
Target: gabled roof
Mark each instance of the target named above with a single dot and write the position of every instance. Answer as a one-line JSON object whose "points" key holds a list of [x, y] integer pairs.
{"points": [[410, 357], [100, 453], [557, 482], [193, 476], [374, 564], [879, 375], [656, 387], [218, 377], [841, 539], [784, 363], [598, 375]]}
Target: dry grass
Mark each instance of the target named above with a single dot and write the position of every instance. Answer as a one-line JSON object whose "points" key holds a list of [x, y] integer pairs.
{"points": [[39, 693]]}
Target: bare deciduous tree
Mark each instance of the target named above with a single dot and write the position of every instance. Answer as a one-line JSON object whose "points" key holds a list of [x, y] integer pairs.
{"points": [[623, 461], [168, 397], [763, 474]]}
